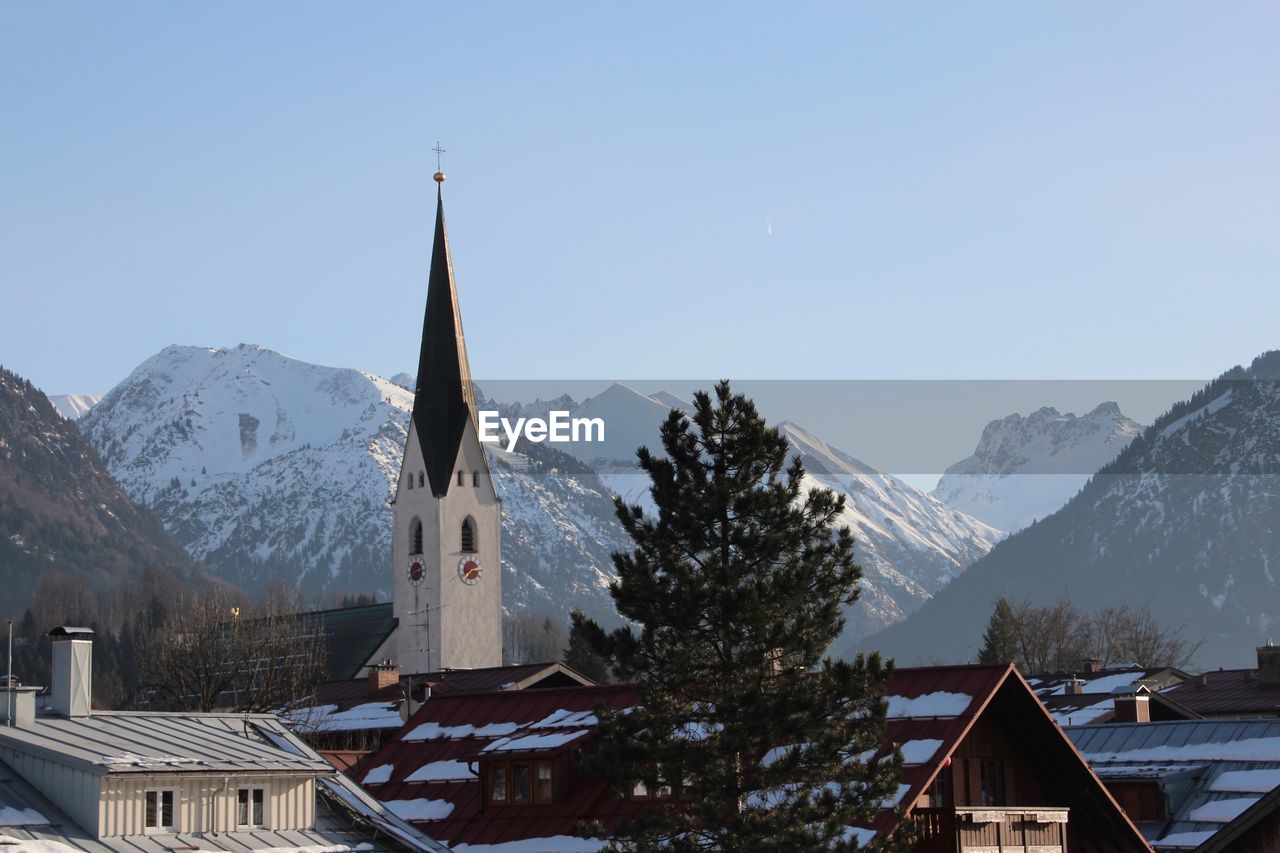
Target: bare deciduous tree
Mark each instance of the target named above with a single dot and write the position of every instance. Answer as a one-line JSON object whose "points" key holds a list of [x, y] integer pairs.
{"points": [[1059, 637], [216, 653]]}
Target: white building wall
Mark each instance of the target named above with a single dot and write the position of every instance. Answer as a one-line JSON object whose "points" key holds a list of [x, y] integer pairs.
{"points": [[205, 804], [73, 790], [444, 622]]}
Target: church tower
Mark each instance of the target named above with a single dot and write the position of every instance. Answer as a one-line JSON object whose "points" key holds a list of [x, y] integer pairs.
{"points": [[446, 548]]}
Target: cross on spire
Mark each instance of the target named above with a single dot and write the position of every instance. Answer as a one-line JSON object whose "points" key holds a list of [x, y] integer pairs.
{"points": [[438, 151]]}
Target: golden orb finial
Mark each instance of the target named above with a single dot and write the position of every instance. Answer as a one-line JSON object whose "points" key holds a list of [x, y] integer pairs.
{"points": [[439, 177]]}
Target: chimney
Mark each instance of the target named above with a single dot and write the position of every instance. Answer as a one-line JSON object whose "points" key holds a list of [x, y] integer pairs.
{"points": [[72, 671], [1092, 665], [383, 675], [1073, 686], [18, 706], [1133, 706], [1269, 664]]}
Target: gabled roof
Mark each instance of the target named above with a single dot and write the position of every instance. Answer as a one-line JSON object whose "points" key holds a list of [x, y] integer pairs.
{"points": [[1228, 691], [438, 748], [932, 709], [443, 399], [348, 817], [1085, 708], [1211, 771]]}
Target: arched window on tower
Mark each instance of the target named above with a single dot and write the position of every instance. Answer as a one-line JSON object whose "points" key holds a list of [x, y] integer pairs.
{"points": [[411, 479], [420, 480], [475, 479], [415, 537], [468, 535]]}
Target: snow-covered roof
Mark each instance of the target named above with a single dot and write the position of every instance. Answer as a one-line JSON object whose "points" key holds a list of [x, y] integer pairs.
{"points": [[1211, 771]]}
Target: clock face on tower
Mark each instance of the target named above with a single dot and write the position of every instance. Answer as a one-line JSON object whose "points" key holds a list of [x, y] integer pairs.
{"points": [[469, 569], [417, 572]]}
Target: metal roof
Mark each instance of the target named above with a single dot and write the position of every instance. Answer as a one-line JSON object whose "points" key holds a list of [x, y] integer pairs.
{"points": [[1228, 691], [122, 742], [1190, 759], [345, 815], [352, 635]]}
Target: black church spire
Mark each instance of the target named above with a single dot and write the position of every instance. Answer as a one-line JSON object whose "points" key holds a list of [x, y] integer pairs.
{"points": [[444, 400]]}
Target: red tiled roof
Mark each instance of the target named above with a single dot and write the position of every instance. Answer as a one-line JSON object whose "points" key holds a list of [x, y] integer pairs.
{"points": [[589, 799], [947, 702]]}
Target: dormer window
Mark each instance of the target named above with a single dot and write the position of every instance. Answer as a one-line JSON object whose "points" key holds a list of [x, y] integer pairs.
{"points": [[415, 537], [468, 536], [160, 814], [518, 783]]}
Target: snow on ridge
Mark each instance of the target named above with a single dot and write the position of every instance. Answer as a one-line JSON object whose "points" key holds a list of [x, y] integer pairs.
{"points": [[1025, 468]]}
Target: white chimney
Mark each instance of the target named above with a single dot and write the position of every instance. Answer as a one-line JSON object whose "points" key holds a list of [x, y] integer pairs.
{"points": [[18, 706], [72, 671]]}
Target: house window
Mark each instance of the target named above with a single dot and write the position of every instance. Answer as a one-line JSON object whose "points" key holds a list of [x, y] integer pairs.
{"points": [[475, 479], [498, 783], [415, 537], [249, 807], [519, 783], [543, 789], [991, 779], [468, 536], [520, 787], [159, 812], [940, 790]]}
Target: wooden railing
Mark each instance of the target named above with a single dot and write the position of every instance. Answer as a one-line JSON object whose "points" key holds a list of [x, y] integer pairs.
{"points": [[962, 828]]}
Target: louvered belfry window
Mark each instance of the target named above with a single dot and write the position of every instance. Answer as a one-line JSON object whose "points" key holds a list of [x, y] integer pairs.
{"points": [[468, 536]]}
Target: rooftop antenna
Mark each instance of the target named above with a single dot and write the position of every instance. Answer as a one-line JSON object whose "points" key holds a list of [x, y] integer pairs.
{"points": [[9, 684]]}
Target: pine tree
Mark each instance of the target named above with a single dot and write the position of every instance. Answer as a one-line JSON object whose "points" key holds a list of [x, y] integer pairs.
{"points": [[746, 737], [1000, 640]]}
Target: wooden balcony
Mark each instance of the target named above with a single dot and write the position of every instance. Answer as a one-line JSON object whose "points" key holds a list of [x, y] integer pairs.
{"points": [[991, 829]]}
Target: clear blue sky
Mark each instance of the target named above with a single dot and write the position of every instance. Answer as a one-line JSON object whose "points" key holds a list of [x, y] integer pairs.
{"points": [[952, 190]]}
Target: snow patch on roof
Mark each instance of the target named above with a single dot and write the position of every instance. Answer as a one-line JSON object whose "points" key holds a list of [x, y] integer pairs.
{"points": [[938, 704], [1250, 749], [13, 816], [379, 774], [1249, 781], [1221, 811], [547, 741], [420, 809], [919, 751], [442, 771], [558, 843]]}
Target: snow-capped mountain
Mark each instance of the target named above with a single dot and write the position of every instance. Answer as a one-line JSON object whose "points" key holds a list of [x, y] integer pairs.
{"points": [[1025, 468], [272, 469], [74, 406], [909, 544], [1185, 521]]}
